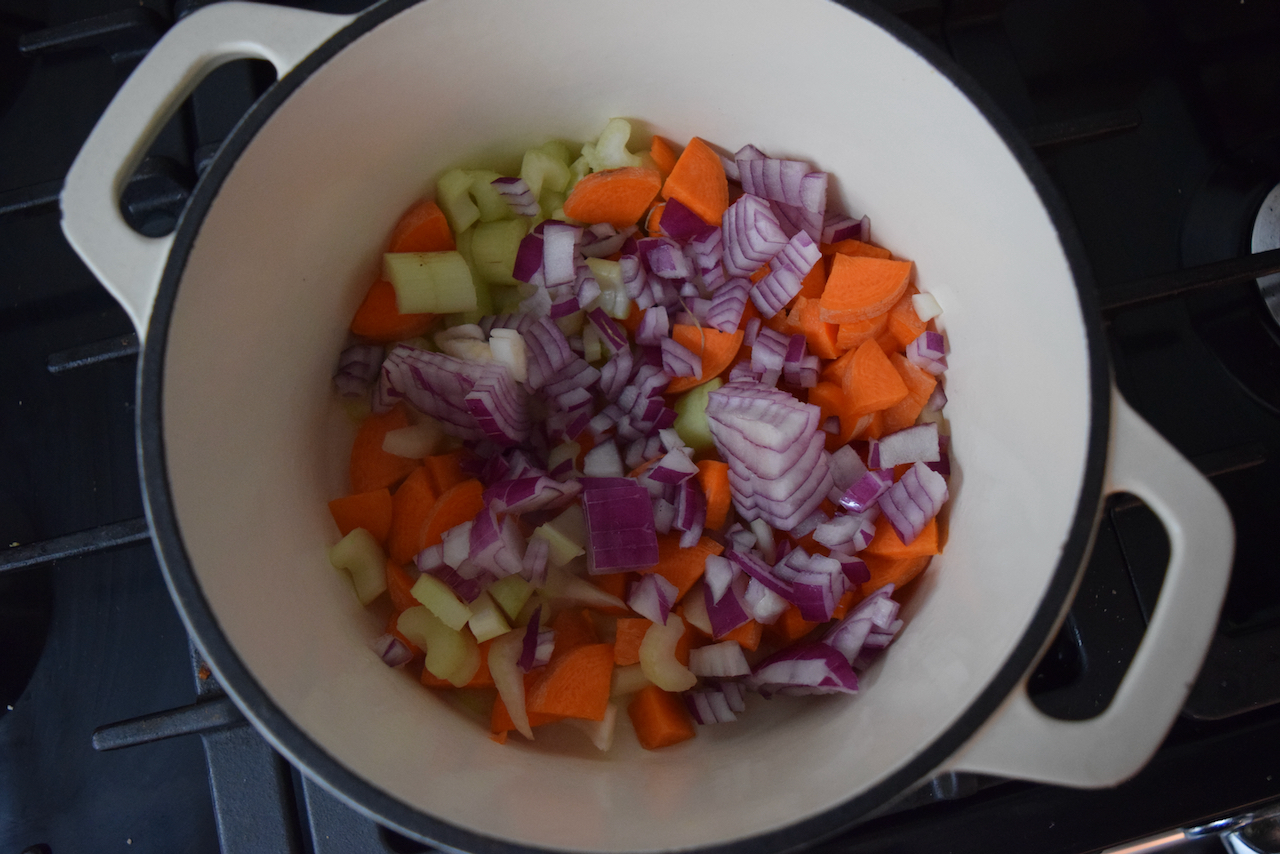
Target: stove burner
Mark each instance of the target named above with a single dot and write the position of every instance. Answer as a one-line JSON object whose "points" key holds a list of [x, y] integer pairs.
{"points": [[1266, 235]]}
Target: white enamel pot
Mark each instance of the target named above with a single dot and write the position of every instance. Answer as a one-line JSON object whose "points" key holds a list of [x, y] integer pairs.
{"points": [[245, 307]]}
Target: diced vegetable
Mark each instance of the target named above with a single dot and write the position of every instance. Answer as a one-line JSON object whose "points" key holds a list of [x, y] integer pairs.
{"points": [[360, 555]]}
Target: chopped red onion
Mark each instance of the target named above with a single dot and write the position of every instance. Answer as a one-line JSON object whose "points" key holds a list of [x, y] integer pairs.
{"points": [[942, 465], [848, 532], [752, 235], [725, 311], [791, 182], [652, 597], [837, 227], [537, 644], [787, 270], [914, 500], [620, 529], [928, 351], [937, 400], [809, 524], [633, 276], [517, 195], [805, 668], [675, 467], [431, 562], [866, 491], [500, 407], [762, 604], [718, 572], [611, 334], [805, 374], [358, 366], [855, 569], [769, 352], [664, 514], [679, 222], [848, 636], [730, 610], [528, 266], [846, 468], [653, 327], [719, 660], [602, 240], [548, 352], [665, 258], [678, 360], [391, 650], [918, 444], [559, 251], [709, 707], [530, 493], [533, 568], [497, 547]]}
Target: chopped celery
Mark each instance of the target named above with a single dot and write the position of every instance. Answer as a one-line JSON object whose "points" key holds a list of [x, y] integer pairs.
{"points": [[506, 300], [572, 523], [658, 656], [491, 203], [487, 620], [563, 549], [577, 170], [436, 596], [435, 282], [493, 249], [511, 593], [613, 296], [552, 204], [360, 555], [451, 654], [628, 679], [560, 150], [691, 415], [454, 198], [610, 150], [542, 170]]}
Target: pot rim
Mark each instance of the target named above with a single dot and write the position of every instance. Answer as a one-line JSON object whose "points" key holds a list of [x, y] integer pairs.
{"points": [[290, 739]]}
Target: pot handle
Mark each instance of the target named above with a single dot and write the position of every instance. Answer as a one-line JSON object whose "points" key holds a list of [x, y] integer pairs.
{"points": [[1020, 741], [128, 264]]}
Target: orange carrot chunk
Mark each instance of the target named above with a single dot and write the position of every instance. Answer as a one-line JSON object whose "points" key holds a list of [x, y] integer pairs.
{"points": [[399, 583], [855, 247], [423, 228], [664, 155], [859, 287], [616, 196], [871, 383], [853, 334], [371, 467], [446, 470], [379, 318], [659, 717], [411, 506], [895, 570], [904, 324], [698, 182], [369, 510], [717, 350], [683, 567], [573, 627], [575, 685], [887, 544], [459, 504], [713, 477], [626, 646], [920, 385], [823, 337]]}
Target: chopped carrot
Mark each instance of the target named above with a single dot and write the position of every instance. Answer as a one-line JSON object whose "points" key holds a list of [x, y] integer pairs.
{"points": [[853, 334], [459, 504], [379, 317], [697, 181], [573, 628], [632, 321], [713, 477], [482, 679], [790, 627], [859, 287], [887, 544], [747, 635], [871, 383], [830, 399], [834, 371], [785, 322], [823, 337], [664, 155], [904, 323], [616, 196], [814, 282], [576, 684], [626, 646], [888, 341], [500, 722], [369, 510], [423, 228], [874, 426], [682, 567], [845, 603], [399, 583], [411, 506], [855, 247], [758, 275], [371, 467], [614, 583], [653, 219], [659, 717], [920, 385], [896, 570], [446, 470], [717, 350]]}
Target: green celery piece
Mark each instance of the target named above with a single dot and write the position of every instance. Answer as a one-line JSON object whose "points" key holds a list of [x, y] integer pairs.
{"points": [[510, 593], [361, 556], [453, 195], [551, 204], [565, 152], [691, 416], [610, 149], [436, 596], [491, 203], [451, 654], [493, 249], [577, 170], [435, 282], [613, 296], [563, 550], [487, 620], [542, 170]]}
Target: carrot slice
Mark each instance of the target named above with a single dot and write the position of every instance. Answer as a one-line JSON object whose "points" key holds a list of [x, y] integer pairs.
{"points": [[683, 567], [871, 383], [369, 510], [500, 722], [446, 470], [747, 635], [896, 570], [575, 685], [653, 219], [615, 584], [888, 342], [459, 504], [616, 196], [814, 282], [399, 583], [371, 467], [411, 506], [659, 717], [835, 371], [423, 228], [920, 385], [626, 646], [855, 247], [717, 350], [853, 334], [713, 477], [905, 325], [830, 399], [664, 155], [887, 544], [790, 627], [379, 317], [823, 337], [698, 182], [859, 287], [573, 628]]}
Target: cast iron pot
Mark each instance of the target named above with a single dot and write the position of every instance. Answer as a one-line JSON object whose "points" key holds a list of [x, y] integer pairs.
{"points": [[245, 307]]}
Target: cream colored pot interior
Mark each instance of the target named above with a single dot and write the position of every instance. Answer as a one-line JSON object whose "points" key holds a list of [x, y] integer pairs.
{"points": [[256, 445]]}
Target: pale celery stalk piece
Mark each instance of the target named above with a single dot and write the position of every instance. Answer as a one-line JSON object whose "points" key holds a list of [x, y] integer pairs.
{"points": [[613, 296], [436, 596], [492, 204], [362, 558], [691, 415], [506, 300], [695, 608], [487, 620], [565, 586], [705, 660], [627, 679], [563, 550], [451, 654], [560, 150], [551, 204], [510, 593], [572, 522], [493, 249], [609, 151], [507, 678], [434, 282], [508, 348], [592, 346], [658, 656], [453, 195], [415, 441], [600, 732], [543, 170], [578, 169]]}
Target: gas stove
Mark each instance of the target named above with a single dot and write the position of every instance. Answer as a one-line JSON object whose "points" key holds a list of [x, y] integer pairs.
{"points": [[1159, 122]]}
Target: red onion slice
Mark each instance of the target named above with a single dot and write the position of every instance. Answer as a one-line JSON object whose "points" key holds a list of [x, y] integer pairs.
{"points": [[391, 650], [652, 597], [914, 500], [805, 668], [620, 529], [678, 360], [752, 235], [928, 351], [358, 367], [866, 491], [918, 444], [518, 196], [727, 302]]}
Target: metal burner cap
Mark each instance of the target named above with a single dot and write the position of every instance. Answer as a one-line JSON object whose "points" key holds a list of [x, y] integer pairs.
{"points": [[1266, 235]]}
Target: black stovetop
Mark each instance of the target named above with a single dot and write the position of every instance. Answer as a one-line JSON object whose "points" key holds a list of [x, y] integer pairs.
{"points": [[1160, 123]]}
